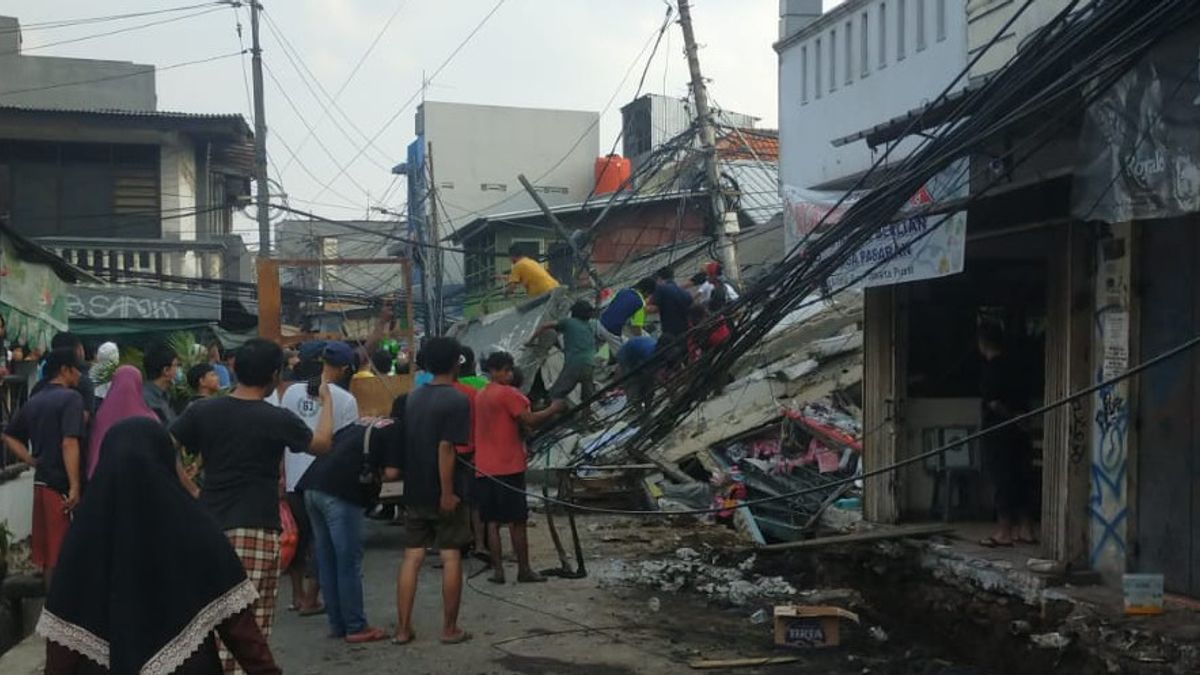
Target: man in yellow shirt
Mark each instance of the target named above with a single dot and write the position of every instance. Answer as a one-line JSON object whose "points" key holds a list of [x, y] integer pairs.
{"points": [[528, 273]]}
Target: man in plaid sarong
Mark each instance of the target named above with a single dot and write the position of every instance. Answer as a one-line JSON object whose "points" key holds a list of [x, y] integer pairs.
{"points": [[240, 440]]}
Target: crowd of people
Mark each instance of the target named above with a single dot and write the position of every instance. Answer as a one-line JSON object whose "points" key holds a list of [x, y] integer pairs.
{"points": [[195, 493]]}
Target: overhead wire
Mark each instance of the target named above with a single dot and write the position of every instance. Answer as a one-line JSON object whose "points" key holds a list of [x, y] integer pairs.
{"points": [[309, 80], [58, 43], [143, 71], [391, 120], [70, 23], [350, 77]]}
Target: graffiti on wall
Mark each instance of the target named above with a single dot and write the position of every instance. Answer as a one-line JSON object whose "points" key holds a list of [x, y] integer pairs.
{"points": [[1078, 433], [1108, 504]]}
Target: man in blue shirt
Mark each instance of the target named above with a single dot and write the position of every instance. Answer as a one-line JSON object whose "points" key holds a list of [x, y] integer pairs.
{"points": [[631, 362], [628, 308], [672, 304]]}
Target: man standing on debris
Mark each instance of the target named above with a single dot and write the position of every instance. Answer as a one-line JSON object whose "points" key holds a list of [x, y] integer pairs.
{"points": [[529, 273], [672, 303], [712, 290], [579, 352], [1007, 450], [628, 308], [437, 420], [639, 386], [500, 463]]}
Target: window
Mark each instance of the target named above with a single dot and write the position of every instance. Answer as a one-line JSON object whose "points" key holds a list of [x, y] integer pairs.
{"points": [[803, 74], [849, 52], [817, 68], [833, 60], [81, 189], [901, 27], [883, 35], [941, 19], [920, 25], [329, 247], [865, 56]]}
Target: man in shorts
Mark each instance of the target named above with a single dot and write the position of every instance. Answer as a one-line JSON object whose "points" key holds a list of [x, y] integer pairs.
{"points": [[437, 420], [500, 462], [579, 354], [52, 422]]}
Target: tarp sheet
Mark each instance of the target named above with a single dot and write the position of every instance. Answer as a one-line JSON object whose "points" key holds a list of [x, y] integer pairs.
{"points": [[32, 299], [1140, 143]]}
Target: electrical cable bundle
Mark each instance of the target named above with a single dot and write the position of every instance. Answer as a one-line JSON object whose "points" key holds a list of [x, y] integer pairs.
{"points": [[1051, 80]]}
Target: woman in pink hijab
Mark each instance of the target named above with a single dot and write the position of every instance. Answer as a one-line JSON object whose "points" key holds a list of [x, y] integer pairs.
{"points": [[124, 400]]}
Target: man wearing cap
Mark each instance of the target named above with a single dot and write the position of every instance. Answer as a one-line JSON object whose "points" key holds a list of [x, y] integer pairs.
{"points": [[52, 422], [331, 362]]}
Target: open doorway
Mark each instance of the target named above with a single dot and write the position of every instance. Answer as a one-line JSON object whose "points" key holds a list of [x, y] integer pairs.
{"points": [[1005, 283]]}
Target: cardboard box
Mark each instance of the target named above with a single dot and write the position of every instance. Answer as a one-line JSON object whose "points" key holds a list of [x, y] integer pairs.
{"points": [[1143, 594], [803, 627]]}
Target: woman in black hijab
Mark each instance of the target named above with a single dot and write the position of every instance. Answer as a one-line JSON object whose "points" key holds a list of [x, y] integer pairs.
{"points": [[145, 577]]}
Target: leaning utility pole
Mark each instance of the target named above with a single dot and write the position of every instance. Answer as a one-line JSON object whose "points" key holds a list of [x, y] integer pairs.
{"points": [[263, 200], [708, 145]]}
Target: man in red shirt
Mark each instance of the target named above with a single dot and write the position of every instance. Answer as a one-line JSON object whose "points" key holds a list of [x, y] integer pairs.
{"points": [[500, 462]]}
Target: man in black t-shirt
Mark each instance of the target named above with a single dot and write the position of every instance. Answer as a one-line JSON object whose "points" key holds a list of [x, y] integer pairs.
{"points": [[46, 433], [240, 439], [338, 487], [437, 420]]}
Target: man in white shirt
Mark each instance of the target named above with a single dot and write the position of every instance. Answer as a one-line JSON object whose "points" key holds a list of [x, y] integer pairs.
{"points": [[336, 361]]}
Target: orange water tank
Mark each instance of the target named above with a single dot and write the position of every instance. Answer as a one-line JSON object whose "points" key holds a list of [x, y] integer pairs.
{"points": [[612, 173]]}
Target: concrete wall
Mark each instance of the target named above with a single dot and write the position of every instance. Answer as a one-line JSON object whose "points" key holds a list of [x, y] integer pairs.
{"points": [[16, 505], [119, 85], [986, 18], [479, 145], [859, 98]]}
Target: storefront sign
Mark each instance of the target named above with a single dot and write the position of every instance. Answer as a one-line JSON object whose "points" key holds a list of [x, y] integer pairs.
{"points": [[134, 302], [899, 252], [1140, 145]]}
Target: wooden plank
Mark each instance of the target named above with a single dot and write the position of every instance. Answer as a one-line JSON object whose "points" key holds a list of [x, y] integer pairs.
{"points": [[707, 664], [270, 301], [899, 532]]}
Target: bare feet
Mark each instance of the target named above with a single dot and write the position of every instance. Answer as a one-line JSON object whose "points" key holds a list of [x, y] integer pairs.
{"points": [[530, 577], [457, 637], [403, 637]]}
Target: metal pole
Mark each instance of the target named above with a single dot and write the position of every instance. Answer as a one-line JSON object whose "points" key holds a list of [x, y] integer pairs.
{"points": [[260, 138], [434, 229], [708, 145], [580, 258]]}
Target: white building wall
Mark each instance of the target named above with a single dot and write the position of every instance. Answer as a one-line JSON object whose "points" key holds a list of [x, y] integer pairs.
{"points": [[38, 81], [177, 169], [902, 71], [478, 151], [986, 18]]}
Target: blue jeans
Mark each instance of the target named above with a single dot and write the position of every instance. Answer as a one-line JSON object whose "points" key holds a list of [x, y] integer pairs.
{"points": [[338, 534]]}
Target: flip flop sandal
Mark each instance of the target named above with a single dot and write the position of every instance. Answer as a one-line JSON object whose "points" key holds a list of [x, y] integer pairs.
{"points": [[992, 542], [312, 611], [400, 643], [457, 639]]}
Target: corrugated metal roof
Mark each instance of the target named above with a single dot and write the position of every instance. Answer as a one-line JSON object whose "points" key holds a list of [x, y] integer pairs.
{"points": [[155, 115]]}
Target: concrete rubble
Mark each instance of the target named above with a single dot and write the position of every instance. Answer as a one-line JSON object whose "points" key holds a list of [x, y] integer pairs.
{"points": [[693, 571]]}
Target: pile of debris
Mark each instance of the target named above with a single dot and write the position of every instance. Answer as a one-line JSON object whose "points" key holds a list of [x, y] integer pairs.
{"points": [[689, 570], [787, 423]]}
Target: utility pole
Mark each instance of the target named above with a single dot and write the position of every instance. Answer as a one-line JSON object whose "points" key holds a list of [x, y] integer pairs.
{"points": [[435, 237], [708, 145], [260, 138]]}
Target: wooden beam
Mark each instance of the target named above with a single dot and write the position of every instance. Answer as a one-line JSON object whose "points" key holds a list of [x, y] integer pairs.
{"points": [[898, 532], [270, 301]]}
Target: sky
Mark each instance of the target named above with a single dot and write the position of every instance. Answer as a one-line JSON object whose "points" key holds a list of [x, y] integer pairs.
{"points": [[570, 54]]}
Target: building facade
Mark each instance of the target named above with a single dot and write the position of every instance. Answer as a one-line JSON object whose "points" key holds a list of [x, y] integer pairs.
{"points": [[1080, 244], [34, 81], [859, 65]]}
